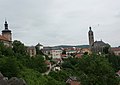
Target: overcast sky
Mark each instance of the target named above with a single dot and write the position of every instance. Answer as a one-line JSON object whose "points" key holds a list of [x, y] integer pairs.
{"points": [[56, 22]]}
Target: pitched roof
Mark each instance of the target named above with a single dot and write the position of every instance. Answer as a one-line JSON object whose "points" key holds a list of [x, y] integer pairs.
{"points": [[3, 38], [115, 49], [100, 43], [71, 78], [30, 47], [51, 48], [39, 44]]}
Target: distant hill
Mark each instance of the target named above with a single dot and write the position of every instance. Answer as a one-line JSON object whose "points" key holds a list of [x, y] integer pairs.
{"points": [[70, 46], [83, 46]]}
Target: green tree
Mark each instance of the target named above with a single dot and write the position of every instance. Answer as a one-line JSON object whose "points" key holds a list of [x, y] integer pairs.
{"points": [[70, 63], [60, 75], [96, 70], [67, 64], [114, 60], [9, 66], [52, 81], [37, 63], [19, 47], [106, 49], [64, 52], [32, 77], [5, 50]]}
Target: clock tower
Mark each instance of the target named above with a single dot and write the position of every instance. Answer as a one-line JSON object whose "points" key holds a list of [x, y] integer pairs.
{"points": [[6, 32]]}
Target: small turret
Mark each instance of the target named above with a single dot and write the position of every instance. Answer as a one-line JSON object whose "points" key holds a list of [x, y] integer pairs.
{"points": [[6, 32]]}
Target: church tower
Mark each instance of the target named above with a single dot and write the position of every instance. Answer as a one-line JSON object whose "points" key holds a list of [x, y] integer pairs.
{"points": [[91, 37], [6, 32]]}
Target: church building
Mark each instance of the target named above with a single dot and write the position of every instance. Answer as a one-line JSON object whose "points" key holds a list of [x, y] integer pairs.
{"points": [[6, 36], [96, 46]]}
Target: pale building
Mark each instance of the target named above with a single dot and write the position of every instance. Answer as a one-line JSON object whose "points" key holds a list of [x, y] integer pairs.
{"points": [[53, 52], [116, 50], [84, 50], [31, 51], [56, 53]]}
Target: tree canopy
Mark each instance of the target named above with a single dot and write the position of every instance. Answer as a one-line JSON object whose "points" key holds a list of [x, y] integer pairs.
{"points": [[96, 70], [89, 69]]}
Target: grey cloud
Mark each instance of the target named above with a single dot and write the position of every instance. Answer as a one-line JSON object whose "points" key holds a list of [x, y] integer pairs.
{"points": [[117, 15], [54, 22]]}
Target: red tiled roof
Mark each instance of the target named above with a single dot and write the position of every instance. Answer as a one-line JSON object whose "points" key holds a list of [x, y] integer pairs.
{"points": [[63, 55], [3, 38], [115, 49], [79, 55]]}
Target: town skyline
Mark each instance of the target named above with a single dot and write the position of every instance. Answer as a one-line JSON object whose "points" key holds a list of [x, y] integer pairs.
{"points": [[62, 22]]}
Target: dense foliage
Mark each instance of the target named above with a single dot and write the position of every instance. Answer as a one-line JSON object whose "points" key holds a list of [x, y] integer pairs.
{"points": [[96, 70], [16, 62], [89, 70]]}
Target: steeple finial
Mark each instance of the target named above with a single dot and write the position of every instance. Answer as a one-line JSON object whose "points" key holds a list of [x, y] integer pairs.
{"points": [[90, 27], [5, 20], [6, 25]]}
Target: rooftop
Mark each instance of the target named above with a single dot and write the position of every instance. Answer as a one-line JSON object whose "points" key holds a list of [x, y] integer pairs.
{"points": [[115, 49]]}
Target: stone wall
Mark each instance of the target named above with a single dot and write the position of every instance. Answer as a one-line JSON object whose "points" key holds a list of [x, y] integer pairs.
{"points": [[11, 81]]}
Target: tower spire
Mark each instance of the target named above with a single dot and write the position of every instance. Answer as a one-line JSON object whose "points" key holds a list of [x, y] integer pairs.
{"points": [[90, 27], [6, 24], [91, 37]]}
